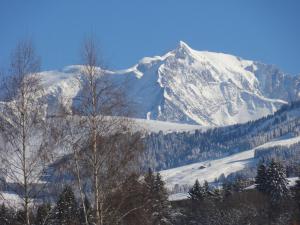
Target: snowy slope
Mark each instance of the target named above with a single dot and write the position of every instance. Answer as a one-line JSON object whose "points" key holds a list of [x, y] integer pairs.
{"points": [[166, 127], [188, 86], [199, 87], [186, 175]]}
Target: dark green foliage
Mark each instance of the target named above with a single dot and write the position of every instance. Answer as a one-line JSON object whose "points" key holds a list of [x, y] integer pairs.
{"points": [[157, 207], [196, 193], [260, 179], [66, 210], [296, 197], [135, 201], [272, 181], [227, 188], [296, 190], [6, 215], [206, 189], [276, 182], [19, 217], [43, 215], [248, 207], [216, 194]]}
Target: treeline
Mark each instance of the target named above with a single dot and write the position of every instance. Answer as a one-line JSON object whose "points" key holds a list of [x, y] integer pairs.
{"points": [[289, 155], [270, 201], [165, 151], [145, 202]]}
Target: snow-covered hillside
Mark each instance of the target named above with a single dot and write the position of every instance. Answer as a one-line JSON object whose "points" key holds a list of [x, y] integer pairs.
{"points": [[199, 87], [166, 127], [189, 86], [213, 169]]}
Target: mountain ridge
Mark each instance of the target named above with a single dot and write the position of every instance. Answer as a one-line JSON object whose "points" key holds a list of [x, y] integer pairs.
{"points": [[195, 87]]}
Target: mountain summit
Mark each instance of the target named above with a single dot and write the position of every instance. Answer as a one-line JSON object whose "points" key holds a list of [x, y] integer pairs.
{"points": [[207, 88], [196, 87]]}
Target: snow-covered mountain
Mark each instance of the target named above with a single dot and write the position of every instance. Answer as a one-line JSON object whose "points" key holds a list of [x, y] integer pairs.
{"points": [[190, 86]]}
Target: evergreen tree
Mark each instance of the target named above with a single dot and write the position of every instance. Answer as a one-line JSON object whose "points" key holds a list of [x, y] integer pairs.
{"points": [[6, 215], [239, 184], [196, 192], [260, 179], [43, 214], [276, 182], [133, 190], [206, 190], [297, 190], [158, 206], [150, 180], [160, 189], [216, 194], [66, 211], [163, 206], [227, 188]]}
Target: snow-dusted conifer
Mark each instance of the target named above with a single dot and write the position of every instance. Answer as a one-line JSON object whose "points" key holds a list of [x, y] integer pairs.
{"points": [[66, 211], [196, 192], [157, 206], [277, 182], [260, 179]]}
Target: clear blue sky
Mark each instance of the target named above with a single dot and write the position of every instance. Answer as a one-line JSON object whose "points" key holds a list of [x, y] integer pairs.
{"points": [[263, 30]]}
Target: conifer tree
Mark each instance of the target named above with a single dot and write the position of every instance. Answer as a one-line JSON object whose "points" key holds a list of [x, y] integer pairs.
{"points": [[227, 188], [43, 215], [260, 179], [297, 187], [296, 190], [196, 192], [206, 190], [163, 206], [239, 184], [150, 182], [157, 199], [66, 211], [216, 194], [6, 215], [276, 182]]}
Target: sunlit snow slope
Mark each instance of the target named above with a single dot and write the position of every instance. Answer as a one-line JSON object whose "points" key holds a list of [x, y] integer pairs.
{"points": [[189, 86], [202, 87], [212, 169]]}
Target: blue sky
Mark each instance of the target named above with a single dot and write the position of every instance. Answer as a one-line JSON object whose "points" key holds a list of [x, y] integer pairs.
{"points": [[127, 30]]}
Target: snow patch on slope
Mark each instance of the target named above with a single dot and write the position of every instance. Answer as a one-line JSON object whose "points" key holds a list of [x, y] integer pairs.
{"points": [[212, 169]]}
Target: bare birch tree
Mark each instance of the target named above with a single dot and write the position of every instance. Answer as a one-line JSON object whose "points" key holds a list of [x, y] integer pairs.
{"points": [[109, 147], [22, 121]]}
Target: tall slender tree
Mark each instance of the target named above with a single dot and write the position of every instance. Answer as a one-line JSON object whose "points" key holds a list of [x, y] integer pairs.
{"points": [[107, 144], [261, 177], [23, 125], [158, 206]]}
